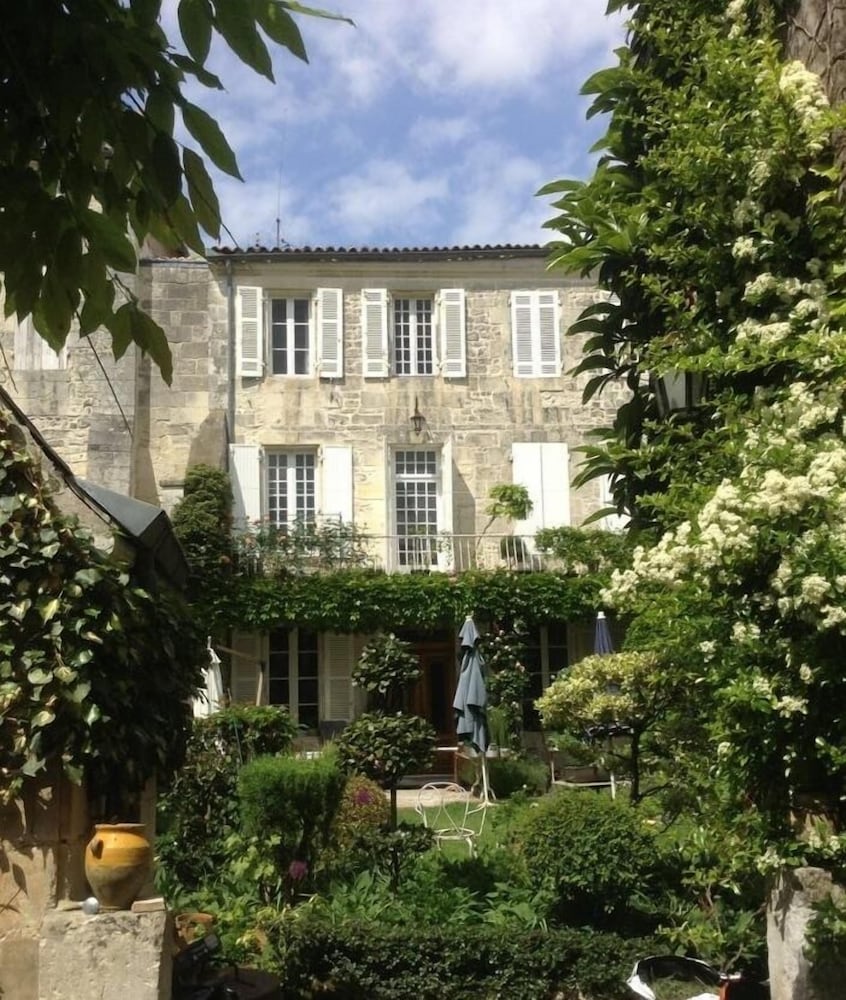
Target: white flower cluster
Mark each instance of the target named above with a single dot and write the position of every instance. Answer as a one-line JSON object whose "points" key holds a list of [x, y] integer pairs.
{"points": [[744, 248], [736, 14], [805, 92]]}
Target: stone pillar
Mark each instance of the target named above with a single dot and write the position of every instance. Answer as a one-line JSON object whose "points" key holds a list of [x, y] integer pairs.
{"points": [[42, 842], [120, 954], [789, 911]]}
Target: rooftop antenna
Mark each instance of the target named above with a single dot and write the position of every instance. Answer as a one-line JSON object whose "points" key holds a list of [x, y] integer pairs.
{"points": [[278, 205]]}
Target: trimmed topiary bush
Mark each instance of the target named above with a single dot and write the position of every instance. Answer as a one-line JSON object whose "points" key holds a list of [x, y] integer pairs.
{"points": [[593, 852], [289, 804]]}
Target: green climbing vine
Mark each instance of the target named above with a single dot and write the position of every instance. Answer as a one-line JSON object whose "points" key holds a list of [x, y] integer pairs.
{"points": [[96, 673]]}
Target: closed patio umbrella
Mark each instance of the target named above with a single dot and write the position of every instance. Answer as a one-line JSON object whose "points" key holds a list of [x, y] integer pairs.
{"points": [[208, 699], [602, 641], [471, 698]]}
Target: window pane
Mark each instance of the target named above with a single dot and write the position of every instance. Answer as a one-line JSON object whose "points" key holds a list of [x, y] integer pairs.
{"points": [[279, 337], [402, 336], [305, 486], [277, 489], [307, 715], [278, 692]]}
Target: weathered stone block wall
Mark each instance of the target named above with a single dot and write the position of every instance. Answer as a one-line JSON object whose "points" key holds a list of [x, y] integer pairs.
{"points": [[482, 414], [84, 413]]}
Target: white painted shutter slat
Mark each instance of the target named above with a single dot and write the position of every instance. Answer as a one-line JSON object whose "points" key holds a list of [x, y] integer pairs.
{"points": [[446, 516], [555, 484], [526, 471], [453, 328], [330, 332], [245, 474], [521, 333], [337, 666], [249, 331], [336, 500], [374, 328], [549, 353], [246, 683]]}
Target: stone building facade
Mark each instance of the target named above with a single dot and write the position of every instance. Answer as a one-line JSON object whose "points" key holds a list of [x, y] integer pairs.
{"points": [[390, 389]]}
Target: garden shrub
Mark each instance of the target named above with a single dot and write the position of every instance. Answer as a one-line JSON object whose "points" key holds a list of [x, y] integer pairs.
{"points": [[385, 747], [593, 852], [363, 810], [359, 961], [293, 801], [200, 808], [507, 775]]}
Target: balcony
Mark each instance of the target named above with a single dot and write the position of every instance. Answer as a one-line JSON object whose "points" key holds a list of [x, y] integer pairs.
{"points": [[331, 546]]}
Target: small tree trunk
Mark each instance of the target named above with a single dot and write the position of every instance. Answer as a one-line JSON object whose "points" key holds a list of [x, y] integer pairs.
{"points": [[393, 807], [634, 792]]}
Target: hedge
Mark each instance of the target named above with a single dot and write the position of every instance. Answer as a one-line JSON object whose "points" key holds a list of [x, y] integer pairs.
{"points": [[369, 962]]}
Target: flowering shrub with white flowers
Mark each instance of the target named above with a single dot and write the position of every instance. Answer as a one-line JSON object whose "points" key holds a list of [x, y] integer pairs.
{"points": [[716, 223]]}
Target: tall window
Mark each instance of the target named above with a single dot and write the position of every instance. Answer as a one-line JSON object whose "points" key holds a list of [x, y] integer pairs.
{"points": [[290, 337], [414, 345], [293, 676], [291, 490], [416, 501], [545, 654]]}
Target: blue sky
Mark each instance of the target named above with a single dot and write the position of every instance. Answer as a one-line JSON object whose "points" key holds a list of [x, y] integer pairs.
{"points": [[431, 122]]}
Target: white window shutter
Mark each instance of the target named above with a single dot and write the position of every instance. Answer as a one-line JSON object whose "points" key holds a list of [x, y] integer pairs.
{"points": [[527, 470], [336, 670], [446, 515], [330, 332], [453, 329], [549, 347], [521, 333], [245, 473], [246, 685], [374, 329], [336, 499], [555, 485], [249, 331]]}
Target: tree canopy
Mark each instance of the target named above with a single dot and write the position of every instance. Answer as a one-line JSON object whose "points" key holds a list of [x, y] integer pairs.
{"points": [[89, 96], [715, 223]]}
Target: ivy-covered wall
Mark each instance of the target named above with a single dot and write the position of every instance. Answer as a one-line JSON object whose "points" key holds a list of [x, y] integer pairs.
{"points": [[366, 600]]}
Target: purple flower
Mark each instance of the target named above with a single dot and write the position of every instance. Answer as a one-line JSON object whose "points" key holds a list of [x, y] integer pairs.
{"points": [[363, 797], [297, 871]]}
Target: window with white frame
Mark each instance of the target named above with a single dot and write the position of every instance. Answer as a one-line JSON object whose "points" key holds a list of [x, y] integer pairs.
{"points": [[406, 334], [290, 336], [293, 679], [535, 337], [544, 655], [294, 334], [291, 484], [413, 336], [416, 506]]}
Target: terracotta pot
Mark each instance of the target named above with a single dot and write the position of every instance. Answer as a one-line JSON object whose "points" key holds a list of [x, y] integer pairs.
{"points": [[118, 859]]}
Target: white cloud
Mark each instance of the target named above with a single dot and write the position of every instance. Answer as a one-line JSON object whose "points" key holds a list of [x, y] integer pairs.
{"points": [[385, 195]]}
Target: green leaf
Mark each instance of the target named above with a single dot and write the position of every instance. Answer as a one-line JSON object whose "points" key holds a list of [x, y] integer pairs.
{"points": [[49, 609], [43, 718], [159, 110], [235, 22], [208, 134], [166, 167], [80, 692], [201, 190], [39, 676], [280, 27], [142, 330], [109, 240], [195, 25]]}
